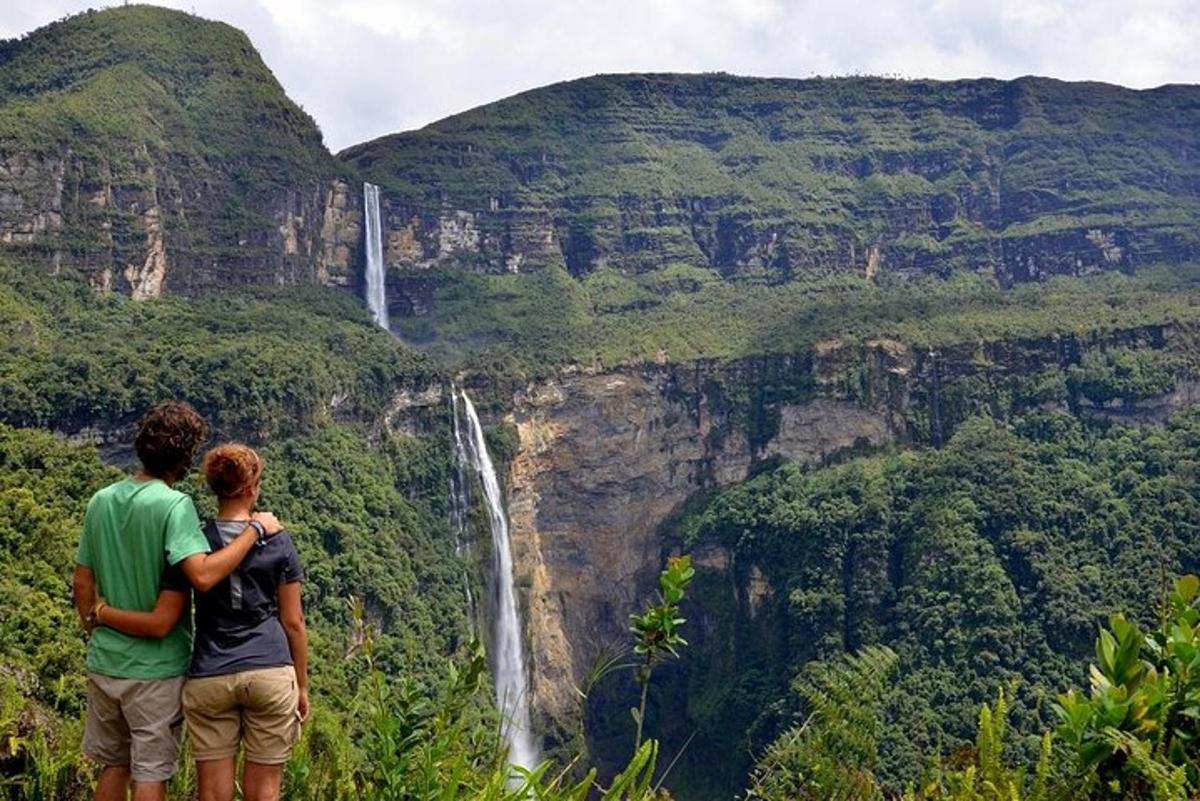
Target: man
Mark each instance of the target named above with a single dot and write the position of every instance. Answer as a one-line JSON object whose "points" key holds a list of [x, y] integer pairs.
{"points": [[132, 531]]}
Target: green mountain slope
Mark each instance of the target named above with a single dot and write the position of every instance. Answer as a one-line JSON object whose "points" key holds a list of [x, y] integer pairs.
{"points": [[156, 150], [986, 564], [976, 260], [795, 179]]}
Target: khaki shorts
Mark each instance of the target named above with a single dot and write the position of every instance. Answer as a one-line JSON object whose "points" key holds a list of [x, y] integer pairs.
{"points": [[134, 722], [258, 707]]}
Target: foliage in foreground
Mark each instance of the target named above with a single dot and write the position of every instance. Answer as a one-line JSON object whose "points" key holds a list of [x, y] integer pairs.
{"points": [[413, 743], [842, 697], [986, 563], [443, 746], [1132, 735]]}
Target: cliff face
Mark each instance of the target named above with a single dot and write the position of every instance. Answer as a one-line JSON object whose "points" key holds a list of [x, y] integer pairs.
{"points": [[156, 152], [796, 179], [607, 460], [148, 236], [604, 460]]}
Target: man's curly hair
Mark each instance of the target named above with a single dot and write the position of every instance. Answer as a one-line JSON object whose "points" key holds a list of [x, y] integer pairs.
{"points": [[168, 438]]}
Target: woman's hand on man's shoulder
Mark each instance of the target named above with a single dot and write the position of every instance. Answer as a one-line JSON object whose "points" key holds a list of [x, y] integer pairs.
{"points": [[268, 521]]}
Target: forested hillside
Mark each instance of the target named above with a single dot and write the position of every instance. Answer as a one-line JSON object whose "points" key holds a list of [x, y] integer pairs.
{"points": [[688, 198], [798, 179], [907, 368], [984, 565]]}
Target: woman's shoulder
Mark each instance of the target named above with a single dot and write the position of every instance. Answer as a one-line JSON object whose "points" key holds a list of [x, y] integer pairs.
{"points": [[283, 539], [282, 546]]}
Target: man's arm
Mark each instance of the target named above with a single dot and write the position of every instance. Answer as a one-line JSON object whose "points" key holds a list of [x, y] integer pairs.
{"points": [[207, 570], [156, 624], [291, 614], [83, 586]]}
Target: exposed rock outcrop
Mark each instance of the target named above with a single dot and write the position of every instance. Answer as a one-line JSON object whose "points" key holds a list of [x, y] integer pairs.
{"points": [[606, 459], [164, 233], [158, 167]]}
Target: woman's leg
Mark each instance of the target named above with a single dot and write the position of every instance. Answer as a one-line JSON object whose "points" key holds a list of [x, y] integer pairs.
{"points": [[261, 782], [215, 777], [214, 722], [272, 727]]}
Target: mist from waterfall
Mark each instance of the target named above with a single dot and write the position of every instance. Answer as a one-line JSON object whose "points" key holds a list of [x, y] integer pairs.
{"points": [[376, 289], [509, 668]]}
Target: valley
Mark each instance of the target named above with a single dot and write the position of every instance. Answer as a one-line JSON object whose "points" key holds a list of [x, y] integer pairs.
{"points": [[902, 364]]}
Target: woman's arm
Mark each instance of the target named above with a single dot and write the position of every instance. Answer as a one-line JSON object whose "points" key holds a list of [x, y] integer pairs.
{"points": [[158, 623], [83, 585], [207, 570], [291, 614]]}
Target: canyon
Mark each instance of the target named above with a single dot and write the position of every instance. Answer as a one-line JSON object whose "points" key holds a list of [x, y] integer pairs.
{"points": [[607, 461], [629, 192]]}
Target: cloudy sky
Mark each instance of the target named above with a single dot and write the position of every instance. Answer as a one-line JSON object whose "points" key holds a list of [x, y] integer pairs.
{"points": [[364, 68]]}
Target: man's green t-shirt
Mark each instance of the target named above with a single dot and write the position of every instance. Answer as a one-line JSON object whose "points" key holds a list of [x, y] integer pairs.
{"points": [[132, 530]]}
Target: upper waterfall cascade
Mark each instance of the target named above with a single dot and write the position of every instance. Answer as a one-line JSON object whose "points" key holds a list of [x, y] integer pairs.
{"points": [[509, 667], [376, 288]]}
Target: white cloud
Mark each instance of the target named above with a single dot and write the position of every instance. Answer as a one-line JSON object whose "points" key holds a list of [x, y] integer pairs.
{"points": [[365, 68]]}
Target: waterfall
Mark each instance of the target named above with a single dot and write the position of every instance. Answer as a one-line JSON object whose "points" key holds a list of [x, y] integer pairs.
{"points": [[376, 290], [460, 497], [508, 650]]}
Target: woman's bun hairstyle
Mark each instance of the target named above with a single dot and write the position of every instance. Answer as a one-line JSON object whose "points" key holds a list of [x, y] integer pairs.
{"points": [[232, 469]]}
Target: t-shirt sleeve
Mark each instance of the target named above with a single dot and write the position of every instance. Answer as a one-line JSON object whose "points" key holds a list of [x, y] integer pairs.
{"points": [[173, 578], [184, 537], [83, 554], [290, 567]]}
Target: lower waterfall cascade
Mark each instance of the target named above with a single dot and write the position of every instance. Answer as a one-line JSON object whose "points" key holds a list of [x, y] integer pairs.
{"points": [[509, 666]]}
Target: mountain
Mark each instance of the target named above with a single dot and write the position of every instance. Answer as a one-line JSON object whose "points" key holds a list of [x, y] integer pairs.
{"points": [[797, 179], [900, 363], [705, 276], [157, 152]]}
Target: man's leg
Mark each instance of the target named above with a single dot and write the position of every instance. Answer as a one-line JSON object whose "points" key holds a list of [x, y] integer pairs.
{"points": [[155, 715], [149, 791], [106, 737], [261, 782], [113, 784]]}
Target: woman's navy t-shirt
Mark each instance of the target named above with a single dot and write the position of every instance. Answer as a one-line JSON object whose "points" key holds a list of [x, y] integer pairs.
{"points": [[237, 621]]}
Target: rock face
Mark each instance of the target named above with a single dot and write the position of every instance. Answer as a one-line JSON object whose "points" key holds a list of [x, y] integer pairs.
{"points": [[606, 459], [797, 179], [154, 151], [144, 240]]}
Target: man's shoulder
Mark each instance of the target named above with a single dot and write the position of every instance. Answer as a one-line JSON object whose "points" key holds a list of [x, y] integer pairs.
{"points": [[108, 494], [156, 493], [144, 495]]}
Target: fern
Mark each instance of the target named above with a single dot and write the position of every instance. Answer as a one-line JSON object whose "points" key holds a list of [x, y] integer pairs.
{"points": [[987, 777], [831, 755]]}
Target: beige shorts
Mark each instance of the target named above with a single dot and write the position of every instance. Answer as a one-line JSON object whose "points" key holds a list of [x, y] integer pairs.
{"points": [[134, 722], [257, 707]]}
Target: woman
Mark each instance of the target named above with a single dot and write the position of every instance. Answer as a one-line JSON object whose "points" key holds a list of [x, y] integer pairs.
{"points": [[248, 683]]}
